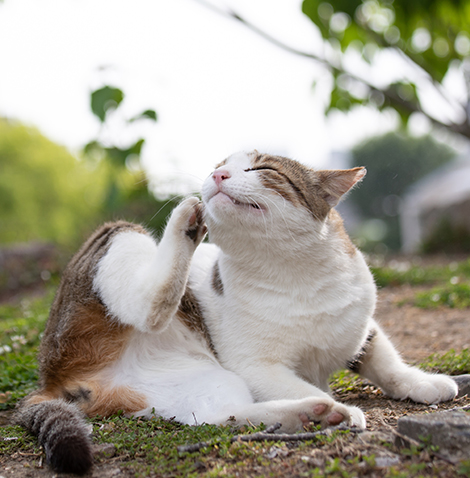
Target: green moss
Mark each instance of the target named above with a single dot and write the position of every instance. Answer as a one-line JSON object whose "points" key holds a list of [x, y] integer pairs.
{"points": [[401, 273], [20, 332], [450, 363]]}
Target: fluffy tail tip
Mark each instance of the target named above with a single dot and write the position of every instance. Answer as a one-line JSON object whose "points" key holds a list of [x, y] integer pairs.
{"points": [[71, 455]]}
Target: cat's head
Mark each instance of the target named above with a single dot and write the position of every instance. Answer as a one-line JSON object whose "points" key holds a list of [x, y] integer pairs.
{"points": [[258, 194]]}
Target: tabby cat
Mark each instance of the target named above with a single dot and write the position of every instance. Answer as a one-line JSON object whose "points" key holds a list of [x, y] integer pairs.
{"points": [[245, 329]]}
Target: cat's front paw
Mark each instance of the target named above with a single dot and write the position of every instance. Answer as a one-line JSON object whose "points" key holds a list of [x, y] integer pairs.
{"points": [[424, 387], [187, 220], [434, 389]]}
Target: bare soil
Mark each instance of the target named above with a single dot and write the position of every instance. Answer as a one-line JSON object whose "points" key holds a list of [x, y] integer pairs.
{"points": [[417, 333]]}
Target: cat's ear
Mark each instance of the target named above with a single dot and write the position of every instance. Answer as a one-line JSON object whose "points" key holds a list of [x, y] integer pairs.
{"points": [[337, 182]]}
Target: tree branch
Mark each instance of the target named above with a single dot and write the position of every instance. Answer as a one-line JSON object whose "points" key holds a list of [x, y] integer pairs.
{"points": [[395, 100]]}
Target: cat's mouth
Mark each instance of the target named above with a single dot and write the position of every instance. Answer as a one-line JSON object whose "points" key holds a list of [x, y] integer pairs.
{"points": [[240, 203]]}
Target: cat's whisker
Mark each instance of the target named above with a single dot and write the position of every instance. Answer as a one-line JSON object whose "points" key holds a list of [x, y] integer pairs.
{"points": [[250, 198], [168, 201], [295, 241]]}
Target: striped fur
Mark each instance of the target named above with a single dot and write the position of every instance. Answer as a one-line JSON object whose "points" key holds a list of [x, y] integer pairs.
{"points": [[62, 432]]}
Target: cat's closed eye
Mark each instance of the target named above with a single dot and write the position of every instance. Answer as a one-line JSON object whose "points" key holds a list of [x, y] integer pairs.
{"points": [[261, 168]]}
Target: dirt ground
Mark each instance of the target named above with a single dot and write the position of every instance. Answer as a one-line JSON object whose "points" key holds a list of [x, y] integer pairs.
{"points": [[417, 333]]}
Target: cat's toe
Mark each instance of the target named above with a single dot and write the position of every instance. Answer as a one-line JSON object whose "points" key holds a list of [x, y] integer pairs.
{"points": [[330, 413], [187, 220], [436, 389], [335, 418], [356, 418], [197, 229]]}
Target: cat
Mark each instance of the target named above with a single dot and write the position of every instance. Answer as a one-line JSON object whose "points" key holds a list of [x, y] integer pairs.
{"points": [[245, 329]]}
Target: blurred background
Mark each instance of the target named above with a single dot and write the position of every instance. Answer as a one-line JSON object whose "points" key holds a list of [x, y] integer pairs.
{"points": [[113, 109]]}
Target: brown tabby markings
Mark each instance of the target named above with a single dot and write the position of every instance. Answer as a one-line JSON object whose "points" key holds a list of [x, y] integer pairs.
{"points": [[217, 283], [293, 181], [337, 224], [360, 358], [302, 186], [81, 338], [189, 312]]}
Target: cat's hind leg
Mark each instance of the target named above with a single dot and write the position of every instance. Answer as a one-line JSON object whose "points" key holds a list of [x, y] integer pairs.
{"points": [[294, 415], [276, 383], [141, 283], [379, 362], [211, 394]]}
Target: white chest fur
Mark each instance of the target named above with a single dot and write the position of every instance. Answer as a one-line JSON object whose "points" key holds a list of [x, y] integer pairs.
{"points": [[310, 317]]}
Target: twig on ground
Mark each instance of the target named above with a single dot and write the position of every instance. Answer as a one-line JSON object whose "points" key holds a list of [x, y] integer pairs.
{"points": [[466, 408], [267, 435]]}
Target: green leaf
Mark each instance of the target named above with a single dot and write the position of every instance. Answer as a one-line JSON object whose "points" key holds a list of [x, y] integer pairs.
{"points": [[147, 114], [104, 99], [120, 155], [92, 147], [310, 8]]}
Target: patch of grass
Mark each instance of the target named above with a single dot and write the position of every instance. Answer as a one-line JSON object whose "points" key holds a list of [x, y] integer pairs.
{"points": [[451, 295], [149, 447], [20, 333], [345, 381], [403, 272], [450, 363], [452, 282]]}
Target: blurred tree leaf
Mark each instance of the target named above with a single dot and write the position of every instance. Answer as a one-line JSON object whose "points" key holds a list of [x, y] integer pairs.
{"points": [[104, 99], [147, 114], [119, 155], [428, 36], [45, 193]]}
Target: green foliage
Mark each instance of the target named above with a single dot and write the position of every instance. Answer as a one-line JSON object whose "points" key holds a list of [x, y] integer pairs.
{"points": [[452, 282], [398, 273], [450, 295], [450, 363], [433, 35], [20, 332], [393, 161], [149, 114], [105, 99], [45, 193]]}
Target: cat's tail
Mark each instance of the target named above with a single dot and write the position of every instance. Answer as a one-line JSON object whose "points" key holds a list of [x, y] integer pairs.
{"points": [[61, 431]]}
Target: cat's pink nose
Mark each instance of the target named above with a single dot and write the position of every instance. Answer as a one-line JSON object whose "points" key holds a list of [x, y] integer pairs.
{"points": [[220, 175]]}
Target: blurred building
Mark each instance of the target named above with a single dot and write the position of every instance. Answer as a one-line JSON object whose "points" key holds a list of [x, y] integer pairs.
{"points": [[441, 199]]}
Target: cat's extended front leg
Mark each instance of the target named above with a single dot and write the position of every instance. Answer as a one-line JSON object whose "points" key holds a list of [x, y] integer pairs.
{"points": [[380, 362], [141, 283]]}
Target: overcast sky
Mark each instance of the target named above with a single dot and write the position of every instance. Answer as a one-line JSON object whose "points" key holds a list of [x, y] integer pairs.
{"points": [[217, 87]]}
